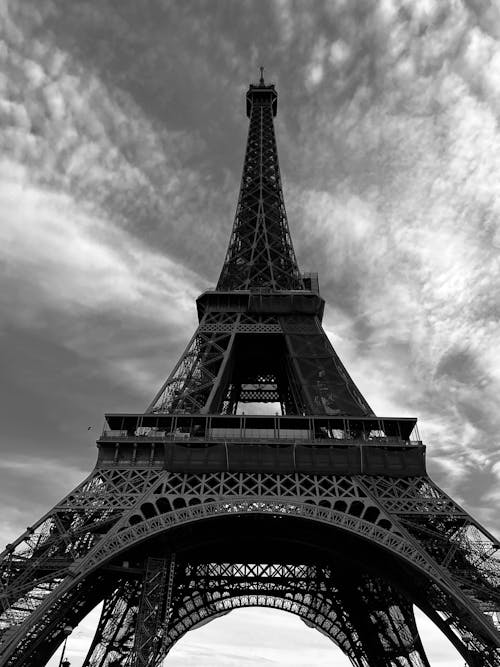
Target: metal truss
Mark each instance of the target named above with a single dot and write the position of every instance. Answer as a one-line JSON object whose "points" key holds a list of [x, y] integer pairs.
{"points": [[371, 622], [114, 638], [150, 619], [323, 379], [142, 503], [260, 253], [295, 365], [191, 385], [205, 591], [33, 567], [456, 542]]}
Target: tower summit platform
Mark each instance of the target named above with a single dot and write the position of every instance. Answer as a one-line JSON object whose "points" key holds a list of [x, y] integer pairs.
{"points": [[262, 94]]}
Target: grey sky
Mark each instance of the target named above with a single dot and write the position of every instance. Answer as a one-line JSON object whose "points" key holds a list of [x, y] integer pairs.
{"points": [[122, 138]]}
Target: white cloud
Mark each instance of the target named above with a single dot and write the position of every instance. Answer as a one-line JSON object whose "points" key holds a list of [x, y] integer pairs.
{"points": [[58, 261], [285, 18], [78, 261], [339, 52], [315, 69]]}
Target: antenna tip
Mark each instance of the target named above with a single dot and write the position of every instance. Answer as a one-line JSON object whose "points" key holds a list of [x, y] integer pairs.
{"points": [[261, 75]]}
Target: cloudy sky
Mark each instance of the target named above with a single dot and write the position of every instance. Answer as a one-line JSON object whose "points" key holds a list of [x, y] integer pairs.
{"points": [[122, 138]]}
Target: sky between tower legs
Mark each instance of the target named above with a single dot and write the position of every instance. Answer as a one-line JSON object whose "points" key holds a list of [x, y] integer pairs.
{"points": [[122, 135]]}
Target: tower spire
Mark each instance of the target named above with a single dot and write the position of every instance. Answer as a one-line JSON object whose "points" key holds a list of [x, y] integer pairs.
{"points": [[260, 253], [291, 362]]}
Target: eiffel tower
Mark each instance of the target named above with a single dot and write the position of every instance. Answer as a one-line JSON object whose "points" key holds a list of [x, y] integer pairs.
{"points": [[258, 476]]}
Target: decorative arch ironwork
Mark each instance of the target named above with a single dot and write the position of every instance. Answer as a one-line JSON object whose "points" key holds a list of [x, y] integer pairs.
{"points": [[126, 535]]}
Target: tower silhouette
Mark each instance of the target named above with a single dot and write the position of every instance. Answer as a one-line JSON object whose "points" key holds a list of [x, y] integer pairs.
{"points": [[258, 476]]}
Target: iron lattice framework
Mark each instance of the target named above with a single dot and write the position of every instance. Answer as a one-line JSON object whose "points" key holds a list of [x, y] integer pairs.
{"points": [[194, 509], [260, 253]]}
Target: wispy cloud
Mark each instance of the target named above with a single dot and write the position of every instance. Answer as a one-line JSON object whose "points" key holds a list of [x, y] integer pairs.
{"points": [[64, 264]]}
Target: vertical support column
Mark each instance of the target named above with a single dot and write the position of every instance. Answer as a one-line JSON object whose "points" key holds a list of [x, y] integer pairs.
{"points": [[114, 637], [154, 612], [165, 643], [216, 397]]}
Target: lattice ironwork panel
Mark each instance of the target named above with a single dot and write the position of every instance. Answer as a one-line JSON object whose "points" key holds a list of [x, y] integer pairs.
{"points": [[150, 617], [260, 253], [114, 638], [324, 379], [413, 494], [469, 554], [190, 386], [37, 562], [209, 486], [381, 632]]}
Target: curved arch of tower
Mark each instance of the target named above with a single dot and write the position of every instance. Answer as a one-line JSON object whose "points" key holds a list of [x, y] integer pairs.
{"points": [[194, 508]]}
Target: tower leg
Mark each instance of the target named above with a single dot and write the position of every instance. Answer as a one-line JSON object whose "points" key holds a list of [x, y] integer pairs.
{"points": [[154, 612], [114, 637], [384, 620]]}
